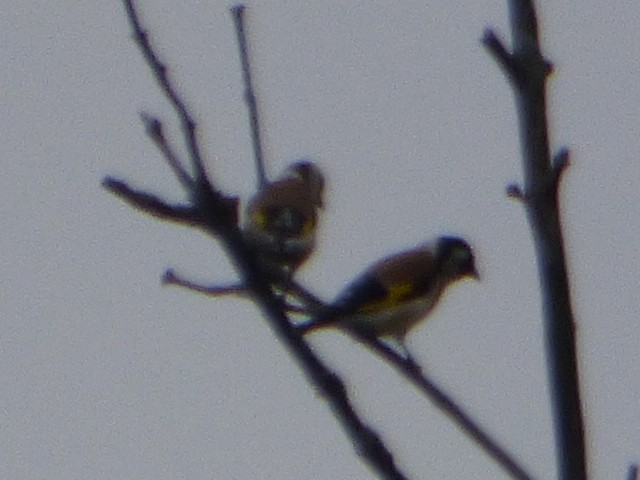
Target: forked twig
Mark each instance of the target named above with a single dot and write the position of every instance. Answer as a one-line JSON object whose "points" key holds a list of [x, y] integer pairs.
{"points": [[216, 214], [160, 71], [155, 131]]}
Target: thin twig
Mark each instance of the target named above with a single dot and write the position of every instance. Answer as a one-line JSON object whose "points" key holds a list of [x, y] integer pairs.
{"points": [[170, 277], [155, 131], [448, 406], [249, 95], [160, 71], [310, 304]]}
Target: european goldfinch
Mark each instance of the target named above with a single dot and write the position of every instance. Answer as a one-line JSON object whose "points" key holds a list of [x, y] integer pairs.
{"points": [[281, 219], [393, 295]]}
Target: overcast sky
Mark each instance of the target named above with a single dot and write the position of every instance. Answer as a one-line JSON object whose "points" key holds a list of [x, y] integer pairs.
{"points": [[105, 374]]}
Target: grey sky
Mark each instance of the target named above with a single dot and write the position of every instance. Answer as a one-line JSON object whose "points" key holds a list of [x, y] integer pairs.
{"points": [[104, 374]]}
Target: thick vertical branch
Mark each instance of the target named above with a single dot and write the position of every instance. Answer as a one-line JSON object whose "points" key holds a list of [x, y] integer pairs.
{"points": [[528, 70]]}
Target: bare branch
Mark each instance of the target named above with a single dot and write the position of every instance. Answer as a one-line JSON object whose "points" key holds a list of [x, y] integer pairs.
{"points": [[212, 212], [528, 71], [500, 53], [249, 95], [151, 204], [170, 277], [412, 372], [160, 71], [367, 442], [217, 214], [313, 305], [515, 192], [156, 133]]}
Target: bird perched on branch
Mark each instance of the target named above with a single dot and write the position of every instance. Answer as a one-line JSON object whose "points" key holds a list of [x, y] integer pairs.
{"points": [[281, 219], [394, 294]]}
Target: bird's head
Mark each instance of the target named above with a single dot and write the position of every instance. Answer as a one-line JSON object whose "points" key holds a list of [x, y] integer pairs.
{"points": [[456, 259], [308, 173]]}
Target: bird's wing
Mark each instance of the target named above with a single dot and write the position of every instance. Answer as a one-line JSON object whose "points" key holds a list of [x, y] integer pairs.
{"points": [[391, 282]]}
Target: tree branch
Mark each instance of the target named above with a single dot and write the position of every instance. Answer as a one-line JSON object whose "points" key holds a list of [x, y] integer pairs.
{"points": [[155, 131], [217, 215], [151, 204], [160, 71], [170, 277], [528, 70], [406, 367], [446, 404], [249, 95]]}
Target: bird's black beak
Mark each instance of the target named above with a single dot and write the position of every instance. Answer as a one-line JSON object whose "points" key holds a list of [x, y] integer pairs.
{"points": [[473, 273]]}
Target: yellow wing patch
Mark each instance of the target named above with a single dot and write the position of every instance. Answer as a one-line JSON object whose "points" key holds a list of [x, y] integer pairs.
{"points": [[268, 221], [309, 226], [260, 219], [396, 294]]}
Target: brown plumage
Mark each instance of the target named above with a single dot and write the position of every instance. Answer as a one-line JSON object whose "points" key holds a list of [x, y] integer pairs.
{"points": [[282, 218], [394, 294]]}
